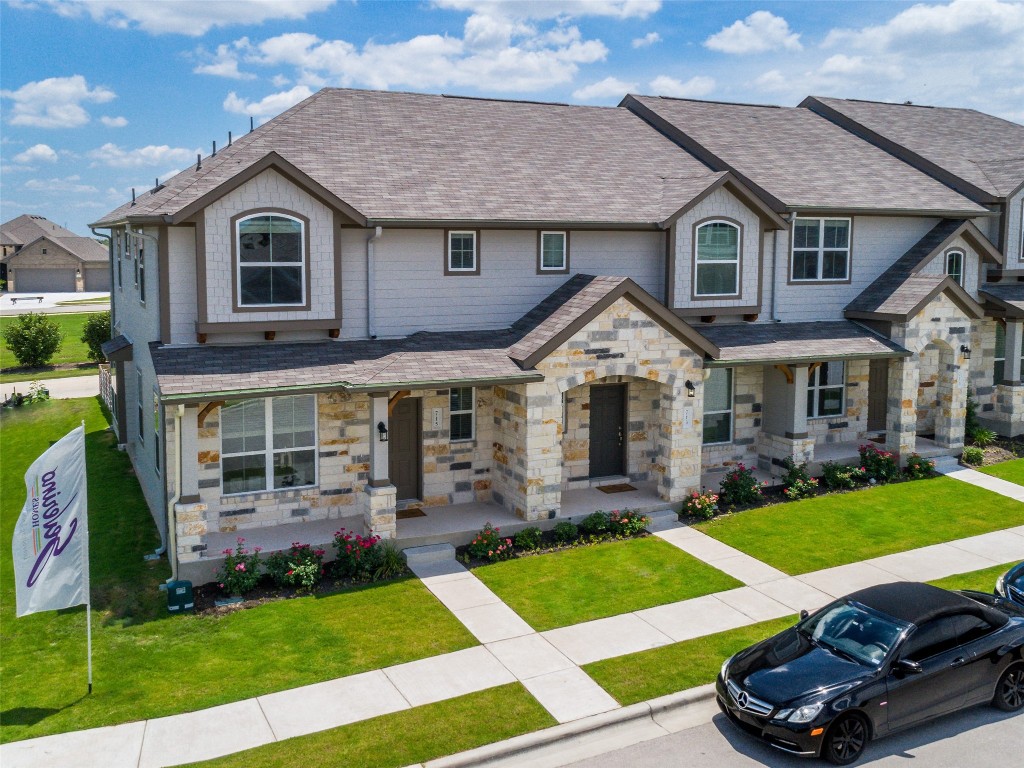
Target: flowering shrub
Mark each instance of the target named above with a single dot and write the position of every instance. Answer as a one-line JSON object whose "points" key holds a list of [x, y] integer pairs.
{"points": [[797, 482], [356, 554], [299, 566], [701, 505], [489, 545], [627, 523], [741, 487], [241, 569], [919, 467], [566, 532], [838, 477], [528, 538], [879, 465], [595, 524]]}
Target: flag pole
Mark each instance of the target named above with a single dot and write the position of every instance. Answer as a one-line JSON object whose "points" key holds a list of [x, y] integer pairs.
{"points": [[88, 579]]}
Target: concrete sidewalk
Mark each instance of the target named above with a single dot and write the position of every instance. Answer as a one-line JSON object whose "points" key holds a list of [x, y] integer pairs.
{"points": [[60, 389], [23, 303]]}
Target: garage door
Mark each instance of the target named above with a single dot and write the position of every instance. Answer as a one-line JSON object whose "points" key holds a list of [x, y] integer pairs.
{"points": [[97, 279], [44, 280]]}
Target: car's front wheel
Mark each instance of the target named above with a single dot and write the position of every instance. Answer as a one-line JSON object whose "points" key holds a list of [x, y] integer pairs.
{"points": [[845, 740], [1009, 695]]}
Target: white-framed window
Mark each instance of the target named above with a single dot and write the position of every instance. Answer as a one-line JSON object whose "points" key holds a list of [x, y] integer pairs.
{"points": [[271, 260], [554, 252], [268, 444], [119, 257], [717, 256], [156, 430], [821, 249], [999, 364], [141, 279], [132, 254], [955, 266], [461, 417], [826, 390], [461, 253], [140, 398], [718, 406]]}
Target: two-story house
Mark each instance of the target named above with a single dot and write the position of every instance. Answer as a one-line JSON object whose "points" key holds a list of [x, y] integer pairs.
{"points": [[408, 314]]}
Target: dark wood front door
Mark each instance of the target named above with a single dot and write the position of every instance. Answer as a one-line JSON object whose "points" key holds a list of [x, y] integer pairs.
{"points": [[607, 430], [878, 393], [404, 441]]}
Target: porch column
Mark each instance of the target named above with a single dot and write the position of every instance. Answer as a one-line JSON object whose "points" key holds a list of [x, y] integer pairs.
{"points": [[901, 407], [189, 452], [679, 443], [543, 452], [379, 512], [1012, 373], [952, 397], [378, 449], [785, 434]]}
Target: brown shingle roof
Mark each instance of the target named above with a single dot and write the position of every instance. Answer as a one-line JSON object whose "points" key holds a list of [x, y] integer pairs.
{"points": [[28, 228], [799, 158], [985, 151], [791, 342], [419, 157], [1007, 297]]}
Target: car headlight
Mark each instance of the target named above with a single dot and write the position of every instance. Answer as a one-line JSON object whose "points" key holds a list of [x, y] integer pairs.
{"points": [[802, 714], [725, 669]]}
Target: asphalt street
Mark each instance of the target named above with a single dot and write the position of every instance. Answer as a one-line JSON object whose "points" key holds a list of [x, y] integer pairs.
{"points": [[982, 737]]}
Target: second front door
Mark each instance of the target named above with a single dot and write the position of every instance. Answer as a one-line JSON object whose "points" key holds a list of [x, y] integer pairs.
{"points": [[607, 430]]}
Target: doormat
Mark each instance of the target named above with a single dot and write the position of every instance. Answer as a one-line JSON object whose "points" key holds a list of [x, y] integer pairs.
{"points": [[407, 514], [617, 488]]}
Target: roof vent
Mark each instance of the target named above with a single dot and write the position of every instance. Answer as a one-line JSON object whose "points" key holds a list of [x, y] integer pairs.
{"points": [[199, 162]]}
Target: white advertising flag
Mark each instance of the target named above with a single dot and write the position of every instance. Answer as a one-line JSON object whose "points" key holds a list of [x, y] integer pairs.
{"points": [[51, 538]]}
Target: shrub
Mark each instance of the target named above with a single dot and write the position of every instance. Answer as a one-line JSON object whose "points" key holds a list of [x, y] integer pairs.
{"points": [[298, 566], [741, 487], [489, 545], [973, 455], [566, 532], [983, 437], [627, 523], [879, 465], [356, 556], [971, 424], [918, 467], [241, 569], [701, 505], [528, 538], [595, 524], [33, 339], [838, 477], [95, 333], [389, 561]]}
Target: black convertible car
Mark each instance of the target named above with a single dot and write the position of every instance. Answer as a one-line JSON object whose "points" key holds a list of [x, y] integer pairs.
{"points": [[1011, 584], [874, 662]]}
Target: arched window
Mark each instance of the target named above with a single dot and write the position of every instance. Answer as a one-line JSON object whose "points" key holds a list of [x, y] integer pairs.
{"points": [[271, 254], [717, 256], [955, 266]]}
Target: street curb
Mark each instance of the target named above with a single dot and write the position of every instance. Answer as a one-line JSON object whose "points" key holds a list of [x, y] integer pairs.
{"points": [[519, 748]]}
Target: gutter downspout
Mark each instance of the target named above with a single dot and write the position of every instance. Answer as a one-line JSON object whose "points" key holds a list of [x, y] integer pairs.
{"points": [[170, 540], [371, 311]]}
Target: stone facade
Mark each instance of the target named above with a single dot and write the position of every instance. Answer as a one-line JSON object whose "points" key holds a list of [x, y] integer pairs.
{"points": [[747, 413]]}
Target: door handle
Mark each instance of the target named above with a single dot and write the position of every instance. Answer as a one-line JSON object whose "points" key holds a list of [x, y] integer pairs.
{"points": [[958, 661]]}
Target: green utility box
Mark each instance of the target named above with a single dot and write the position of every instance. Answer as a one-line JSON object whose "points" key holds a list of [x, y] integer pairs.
{"points": [[179, 597]]}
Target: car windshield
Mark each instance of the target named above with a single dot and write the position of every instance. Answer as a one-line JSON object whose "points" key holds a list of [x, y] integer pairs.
{"points": [[850, 630]]}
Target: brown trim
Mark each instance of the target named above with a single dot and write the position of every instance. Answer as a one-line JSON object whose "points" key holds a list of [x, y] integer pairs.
{"points": [[670, 266], [518, 224], [476, 253], [685, 312], [786, 371], [738, 190], [201, 289], [974, 238], [236, 307], [163, 250], [727, 362], [207, 410], [796, 435], [831, 211], [274, 161], [849, 255], [957, 294], [963, 263], [540, 242], [1004, 307], [261, 326], [190, 499], [393, 400], [380, 483], [740, 248]]}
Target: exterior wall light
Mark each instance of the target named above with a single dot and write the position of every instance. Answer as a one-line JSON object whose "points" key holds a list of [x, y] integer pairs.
{"points": [[382, 432], [965, 351], [691, 389]]}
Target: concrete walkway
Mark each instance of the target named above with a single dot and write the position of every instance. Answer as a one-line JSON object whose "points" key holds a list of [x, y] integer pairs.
{"points": [[60, 389], [980, 479], [546, 663]]}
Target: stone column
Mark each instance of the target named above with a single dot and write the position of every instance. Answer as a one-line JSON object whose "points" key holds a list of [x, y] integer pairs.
{"points": [[380, 511], [378, 449], [785, 434], [679, 442], [542, 489], [901, 408]]}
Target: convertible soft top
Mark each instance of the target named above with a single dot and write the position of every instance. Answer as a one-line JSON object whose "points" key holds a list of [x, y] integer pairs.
{"points": [[916, 603]]}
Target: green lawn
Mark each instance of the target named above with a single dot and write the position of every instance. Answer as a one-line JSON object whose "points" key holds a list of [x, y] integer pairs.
{"points": [[147, 663], [808, 535], [661, 671], [1007, 470], [83, 369], [408, 737], [555, 590], [76, 302], [981, 581], [72, 349]]}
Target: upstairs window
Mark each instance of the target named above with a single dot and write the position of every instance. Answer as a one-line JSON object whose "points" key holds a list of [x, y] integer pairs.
{"points": [[718, 406], [955, 266], [142, 272], [717, 259], [461, 414], [554, 252], [271, 261], [821, 249], [826, 386], [461, 253]]}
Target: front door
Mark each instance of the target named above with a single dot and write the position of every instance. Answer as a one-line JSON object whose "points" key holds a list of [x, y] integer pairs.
{"points": [[607, 427], [878, 392], [404, 441]]}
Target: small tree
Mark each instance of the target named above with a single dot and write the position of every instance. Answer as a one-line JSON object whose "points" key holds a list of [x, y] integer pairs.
{"points": [[95, 333], [33, 339]]}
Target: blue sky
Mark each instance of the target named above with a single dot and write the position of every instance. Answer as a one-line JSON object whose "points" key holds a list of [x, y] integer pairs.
{"points": [[99, 96]]}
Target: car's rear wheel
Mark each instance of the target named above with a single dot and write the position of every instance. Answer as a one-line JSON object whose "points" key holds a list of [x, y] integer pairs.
{"points": [[845, 740], [1009, 695]]}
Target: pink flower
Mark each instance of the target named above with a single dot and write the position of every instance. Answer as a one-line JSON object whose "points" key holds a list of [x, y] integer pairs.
{"points": [[240, 567]]}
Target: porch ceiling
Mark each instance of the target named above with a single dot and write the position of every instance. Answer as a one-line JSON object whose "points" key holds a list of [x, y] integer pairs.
{"points": [[743, 343]]}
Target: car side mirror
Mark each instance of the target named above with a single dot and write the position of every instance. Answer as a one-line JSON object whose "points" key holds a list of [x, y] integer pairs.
{"points": [[804, 614], [908, 667]]}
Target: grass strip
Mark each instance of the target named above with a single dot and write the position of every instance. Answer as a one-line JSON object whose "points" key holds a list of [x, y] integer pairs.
{"points": [[981, 581], [83, 369], [1011, 471]]}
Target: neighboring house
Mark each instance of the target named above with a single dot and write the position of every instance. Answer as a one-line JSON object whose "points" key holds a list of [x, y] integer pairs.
{"points": [[39, 256], [381, 302]]}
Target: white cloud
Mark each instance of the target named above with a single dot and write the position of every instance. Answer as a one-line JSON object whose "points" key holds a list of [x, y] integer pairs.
{"points": [[185, 17], [224, 62], [113, 156], [761, 31], [55, 102], [114, 122], [35, 154], [610, 87], [695, 88], [68, 184], [649, 39], [269, 106], [551, 9]]}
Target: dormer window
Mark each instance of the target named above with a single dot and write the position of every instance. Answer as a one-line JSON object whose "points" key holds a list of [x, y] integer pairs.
{"points": [[271, 254], [955, 266], [717, 259]]}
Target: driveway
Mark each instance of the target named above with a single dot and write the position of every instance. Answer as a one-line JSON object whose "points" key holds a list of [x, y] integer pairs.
{"points": [[22, 303]]}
